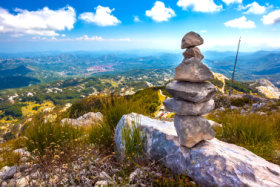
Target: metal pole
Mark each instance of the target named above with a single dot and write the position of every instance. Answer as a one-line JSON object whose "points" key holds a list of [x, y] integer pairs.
{"points": [[232, 78]]}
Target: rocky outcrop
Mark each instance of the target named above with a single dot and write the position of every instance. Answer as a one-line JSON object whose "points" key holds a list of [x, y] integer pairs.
{"points": [[209, 163], [268, 89], [87, 119]]}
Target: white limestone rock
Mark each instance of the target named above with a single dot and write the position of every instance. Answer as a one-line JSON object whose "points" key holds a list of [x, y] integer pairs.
{"points": [[209, 163]]}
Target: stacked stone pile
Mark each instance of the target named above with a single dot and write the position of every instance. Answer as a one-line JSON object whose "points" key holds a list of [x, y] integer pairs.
{"points": [[192, 94]]}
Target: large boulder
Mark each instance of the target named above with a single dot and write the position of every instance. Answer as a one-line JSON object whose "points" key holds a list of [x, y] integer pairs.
{"points": [[87, 119], [192, 129], [190, 91], [188, 108], [209, 163], [191, 39], [193, 70], [193, 52]]}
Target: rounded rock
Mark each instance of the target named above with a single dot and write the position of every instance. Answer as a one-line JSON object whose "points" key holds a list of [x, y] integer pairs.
{"points": [[191, 39]]}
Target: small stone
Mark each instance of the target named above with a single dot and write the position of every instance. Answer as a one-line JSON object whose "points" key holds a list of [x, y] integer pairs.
{"points": [[191, 39], [193, 70], [188, 108], [134, 174], [192, 129], [101, 183], [17, 175], [105, 176], [234, 108], [9, 173], [189, 91], [22, 182], [193, 52]]}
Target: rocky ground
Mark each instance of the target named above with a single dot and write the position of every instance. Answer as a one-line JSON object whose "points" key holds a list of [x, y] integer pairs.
{"points": [[88, 167]]}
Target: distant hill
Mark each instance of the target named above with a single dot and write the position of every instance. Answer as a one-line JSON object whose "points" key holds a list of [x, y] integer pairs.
{"points": [[250, 66]]}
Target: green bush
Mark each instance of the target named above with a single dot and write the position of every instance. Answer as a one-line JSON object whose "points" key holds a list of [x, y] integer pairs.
{"points": [[217, 82], [240, 102], [240, 86]]}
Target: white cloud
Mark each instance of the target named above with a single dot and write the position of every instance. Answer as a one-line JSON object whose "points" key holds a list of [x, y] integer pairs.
{"points": [[44, 22], [82, 38], [241, 23], [271, 18], [102, 17], [160, 13], [93, 38], [99, 38], [254, 8], [228, 2], [200, 5], [203, 31], [136, 19]]}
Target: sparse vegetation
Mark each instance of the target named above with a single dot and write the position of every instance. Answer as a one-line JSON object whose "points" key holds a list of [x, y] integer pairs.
{"points": [[258, 133], [49, 135], [132, 139]]}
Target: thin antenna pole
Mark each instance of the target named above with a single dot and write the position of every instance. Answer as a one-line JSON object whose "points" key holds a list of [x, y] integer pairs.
{"points": [[232, 78]]}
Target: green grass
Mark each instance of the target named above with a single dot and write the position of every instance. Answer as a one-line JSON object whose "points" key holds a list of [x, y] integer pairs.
{"points": [[41, 136], [132, 139], [7, 156], [113, 108], [260, 134]]}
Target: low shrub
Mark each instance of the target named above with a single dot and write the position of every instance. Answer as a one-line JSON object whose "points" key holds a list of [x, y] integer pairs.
{"points": [[240, 102]]}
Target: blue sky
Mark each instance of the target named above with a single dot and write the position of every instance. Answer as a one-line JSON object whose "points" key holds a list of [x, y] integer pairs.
{"points": [[71, 25]]}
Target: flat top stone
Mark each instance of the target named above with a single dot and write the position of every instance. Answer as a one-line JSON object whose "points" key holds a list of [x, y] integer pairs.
{"points": [[191, 39], [191, 91]]}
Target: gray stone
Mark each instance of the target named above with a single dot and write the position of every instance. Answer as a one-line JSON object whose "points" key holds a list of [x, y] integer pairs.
{"points": [[209, 163], [9, 173], [22, 182], [87, 119], [190, 91], [193, 52], [188, 108], [193, 70], [136, 173], [192, 129], [101, 183], [191, 39]]}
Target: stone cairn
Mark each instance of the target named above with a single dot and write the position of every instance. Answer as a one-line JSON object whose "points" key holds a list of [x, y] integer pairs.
{"points": [[192, 94]]}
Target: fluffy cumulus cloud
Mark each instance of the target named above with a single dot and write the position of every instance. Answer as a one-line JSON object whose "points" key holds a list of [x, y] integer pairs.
{"points": [[241, 23], [271, 18], [102, 17], [44, 22], [254, 8], [200, 5], [160, 13], [228, 2]]}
